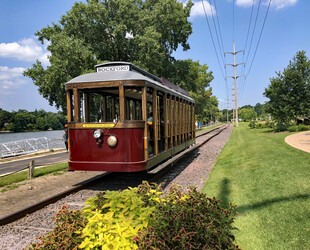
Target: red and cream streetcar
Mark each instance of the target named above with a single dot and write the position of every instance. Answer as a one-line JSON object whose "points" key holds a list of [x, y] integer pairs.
{"points": [[124, 119]]}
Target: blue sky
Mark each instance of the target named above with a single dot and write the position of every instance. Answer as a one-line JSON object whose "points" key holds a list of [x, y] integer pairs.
{"points": [[286, 31]]}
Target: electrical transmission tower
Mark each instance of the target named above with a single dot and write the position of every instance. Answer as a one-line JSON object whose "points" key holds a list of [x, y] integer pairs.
{"points": [[235, 77]]}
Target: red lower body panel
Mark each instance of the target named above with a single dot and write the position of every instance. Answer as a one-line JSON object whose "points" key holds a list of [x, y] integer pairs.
{"points": [[87, 155]]}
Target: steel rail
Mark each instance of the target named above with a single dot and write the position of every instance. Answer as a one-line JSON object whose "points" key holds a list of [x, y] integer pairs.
{"points": [[202, 133], [39, 205]]}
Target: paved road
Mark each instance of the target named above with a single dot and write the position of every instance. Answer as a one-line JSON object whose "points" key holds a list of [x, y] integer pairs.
{"points": [[8, 167]]}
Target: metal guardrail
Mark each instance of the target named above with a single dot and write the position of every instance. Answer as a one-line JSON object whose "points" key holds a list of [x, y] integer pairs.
{"points": [[29, 146]]}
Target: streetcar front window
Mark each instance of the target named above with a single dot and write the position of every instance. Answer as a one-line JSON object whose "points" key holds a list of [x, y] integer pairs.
{"points": [[107, 104], [100, 105]]}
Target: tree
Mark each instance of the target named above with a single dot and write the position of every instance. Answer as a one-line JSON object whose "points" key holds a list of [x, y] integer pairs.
{"points": [[248, 114], [22, 120], [145, 33], [5, 118], [259, 109], [289, 92]]}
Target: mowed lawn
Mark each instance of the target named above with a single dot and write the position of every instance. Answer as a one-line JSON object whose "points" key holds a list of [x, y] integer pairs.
{"points": [[270, 182]]}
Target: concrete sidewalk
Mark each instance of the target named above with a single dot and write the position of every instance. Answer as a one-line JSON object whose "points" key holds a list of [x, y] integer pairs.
{"points": [[299, 140]]}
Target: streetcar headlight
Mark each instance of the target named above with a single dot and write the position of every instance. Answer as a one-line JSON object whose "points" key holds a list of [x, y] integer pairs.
{"points": [[112, 141], [97, 133]]}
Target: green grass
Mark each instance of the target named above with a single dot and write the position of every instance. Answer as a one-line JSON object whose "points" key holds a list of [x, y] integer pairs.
{"points": [[7, 181], [270, 182]]}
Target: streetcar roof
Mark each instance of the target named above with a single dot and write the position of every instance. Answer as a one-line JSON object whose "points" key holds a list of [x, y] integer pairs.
{"points": [[122, 71]]}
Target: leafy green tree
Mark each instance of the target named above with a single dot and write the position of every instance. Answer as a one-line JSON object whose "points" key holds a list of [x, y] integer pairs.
{"points": [[41, 123], [289, 92], [259, 109], [247, 114], [53, 122], [145, 33], [22, 120], [5, 118]]}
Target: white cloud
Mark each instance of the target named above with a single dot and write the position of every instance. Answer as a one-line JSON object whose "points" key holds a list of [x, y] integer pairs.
{"points": [[25, 50], [198, 10], [278, 4], [244, 3], [11, 79]]}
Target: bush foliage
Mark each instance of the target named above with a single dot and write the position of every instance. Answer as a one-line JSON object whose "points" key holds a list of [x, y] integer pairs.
{"points": [[262, 124], [189, 221], [64, 234], [144, 218], [278, 127]]}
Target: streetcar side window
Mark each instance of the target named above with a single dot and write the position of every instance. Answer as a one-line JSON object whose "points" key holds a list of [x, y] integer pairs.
{"points": [[133, 103]]}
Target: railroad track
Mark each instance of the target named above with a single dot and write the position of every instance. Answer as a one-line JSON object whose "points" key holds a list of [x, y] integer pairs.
{"points": [[107, 181], [160, 169]]}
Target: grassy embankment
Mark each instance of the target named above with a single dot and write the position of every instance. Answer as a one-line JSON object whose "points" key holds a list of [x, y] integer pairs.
{"points": [[13, 181], [269, 181]]}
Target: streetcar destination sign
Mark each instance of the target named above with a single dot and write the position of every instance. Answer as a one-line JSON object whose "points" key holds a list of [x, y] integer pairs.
{"points": [[113, 68]]}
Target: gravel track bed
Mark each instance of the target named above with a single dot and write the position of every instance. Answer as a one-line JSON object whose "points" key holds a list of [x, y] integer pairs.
{"points": [[191, 171]]}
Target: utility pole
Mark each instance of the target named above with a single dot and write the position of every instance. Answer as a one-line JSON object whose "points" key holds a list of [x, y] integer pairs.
{"points": [[235, 77], [227, 108], [233, 111]]}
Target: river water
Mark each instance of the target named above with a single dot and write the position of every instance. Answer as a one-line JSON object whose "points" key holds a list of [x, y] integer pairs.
{"points": [[9, 137]]}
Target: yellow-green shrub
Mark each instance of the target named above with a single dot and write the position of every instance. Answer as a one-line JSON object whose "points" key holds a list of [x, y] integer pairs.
{"points": [[114, 218]]}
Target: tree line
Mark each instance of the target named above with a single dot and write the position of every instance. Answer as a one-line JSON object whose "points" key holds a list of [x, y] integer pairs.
{"points": [[246, 113], [143, 32], [24, 121]]}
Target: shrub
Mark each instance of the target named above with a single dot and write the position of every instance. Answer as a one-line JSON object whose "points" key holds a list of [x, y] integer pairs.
{"points": [[189, 221], [144, 218], [281, 127], [303, 127], [262, 124], [292, 128], [270, 124], [252, 124], [114, 218], [64, 235]]}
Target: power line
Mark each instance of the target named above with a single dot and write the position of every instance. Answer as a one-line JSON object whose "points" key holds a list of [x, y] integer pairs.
{"points": [[246, 43], [212, 39], [247, 36], [217, 36], [221, 44], [253, 31], [218, 23], [260, 35]]}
